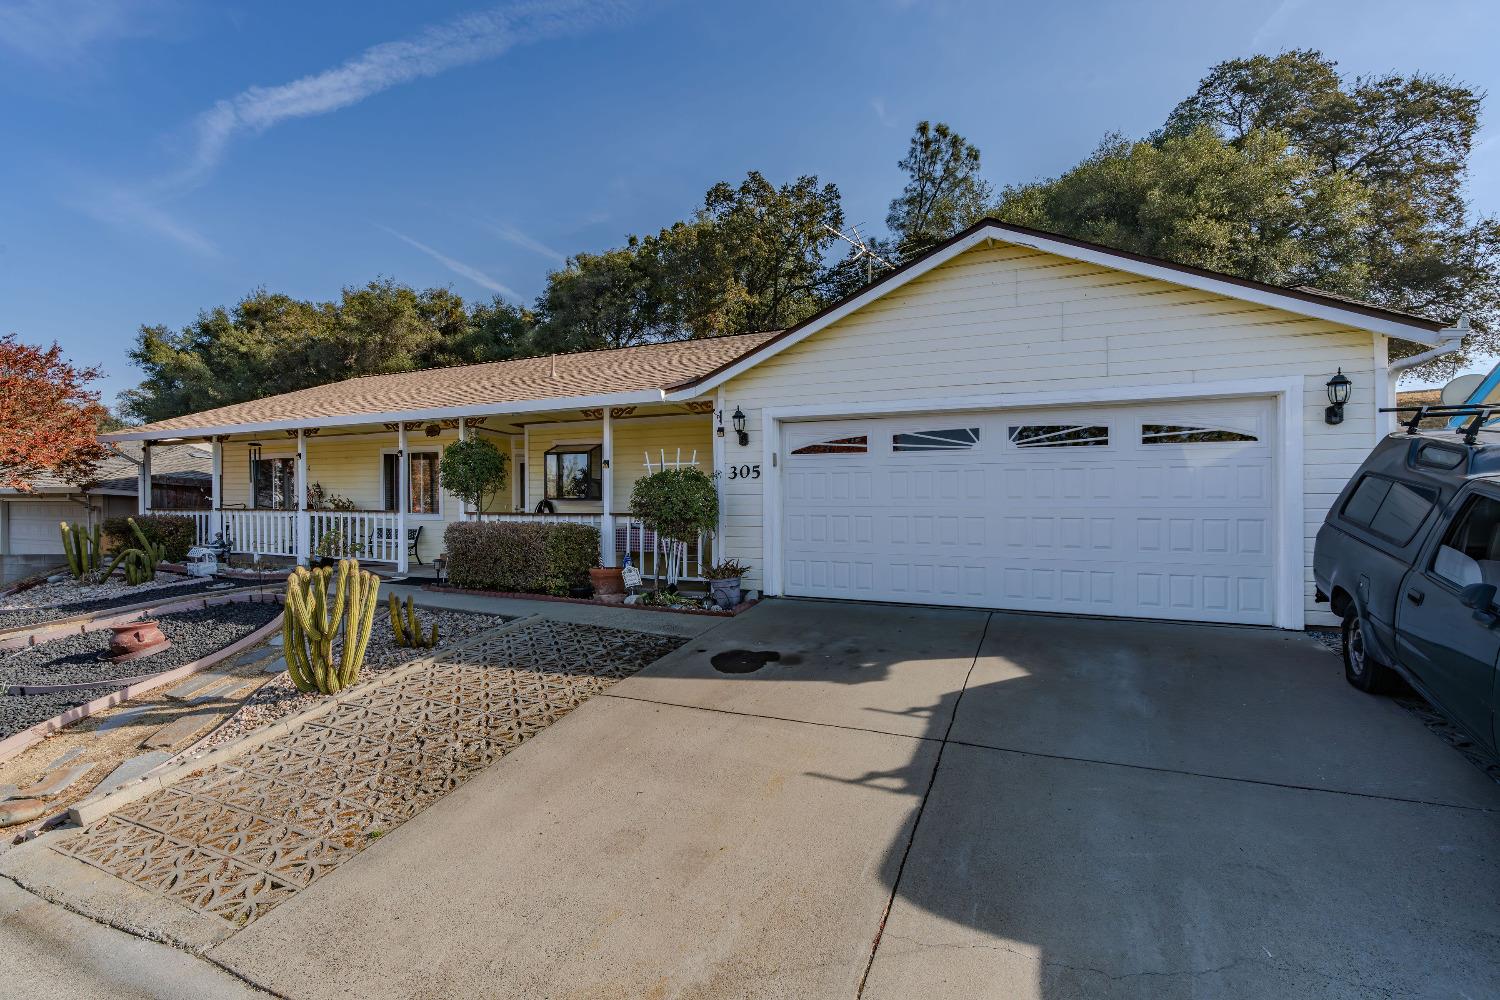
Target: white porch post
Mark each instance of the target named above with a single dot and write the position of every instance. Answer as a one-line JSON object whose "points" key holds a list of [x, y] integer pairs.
{"points": [[216, 491], [143, 483], [403, 497], [714, 425], [463, 435], [607, 521], [304, 523]]}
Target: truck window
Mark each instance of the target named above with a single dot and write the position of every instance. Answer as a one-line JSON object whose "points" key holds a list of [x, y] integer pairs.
{"points": [[1390, 509], [1470, 552]]}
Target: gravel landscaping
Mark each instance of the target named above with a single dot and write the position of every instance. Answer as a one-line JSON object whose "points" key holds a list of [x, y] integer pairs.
{"points": [[79, 658], [62, 600], [280, 698]]}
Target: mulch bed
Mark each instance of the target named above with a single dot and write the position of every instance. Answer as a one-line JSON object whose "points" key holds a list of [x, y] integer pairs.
{"points": [[19, 617], [79, 658]]}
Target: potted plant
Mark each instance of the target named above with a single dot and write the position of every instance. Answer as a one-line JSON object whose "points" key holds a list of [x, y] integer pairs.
{"points": [[608, 584], [724, 581]]}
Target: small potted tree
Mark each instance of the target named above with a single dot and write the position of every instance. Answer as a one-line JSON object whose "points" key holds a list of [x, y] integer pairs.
{"points": [[677, 505], [475, 471], [724, 582]]}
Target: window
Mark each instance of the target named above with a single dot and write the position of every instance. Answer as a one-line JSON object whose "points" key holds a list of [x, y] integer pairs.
{"points": [[1470, 552], [1180, 434], [958, 439], [424, 497], [1058, 436], [1390, 509], [858, 445], [572, 472], [274, 483], [1436, 456]]}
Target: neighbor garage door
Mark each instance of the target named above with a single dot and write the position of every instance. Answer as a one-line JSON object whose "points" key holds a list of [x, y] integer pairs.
{"points": [[1155, 511], [33, 526]]}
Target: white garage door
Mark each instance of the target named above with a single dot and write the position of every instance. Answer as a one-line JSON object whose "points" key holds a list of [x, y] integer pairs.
{"points": [[1154, 511], [33, 526]]}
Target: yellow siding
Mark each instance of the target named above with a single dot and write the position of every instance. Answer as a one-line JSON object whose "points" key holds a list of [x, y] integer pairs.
{"points": [[634, 437], [1008, 319]]}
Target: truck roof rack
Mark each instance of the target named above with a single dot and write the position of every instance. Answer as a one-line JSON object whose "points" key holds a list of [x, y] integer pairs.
{"points": [[1481, 412]]}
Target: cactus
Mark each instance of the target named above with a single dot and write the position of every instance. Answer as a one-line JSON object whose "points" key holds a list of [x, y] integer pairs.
{"points": [[310, 625], [139, 562], [409, 633], [82, 547]]}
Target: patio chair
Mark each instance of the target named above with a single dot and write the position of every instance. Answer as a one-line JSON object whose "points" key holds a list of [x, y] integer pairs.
{"points": [[413, 535]]}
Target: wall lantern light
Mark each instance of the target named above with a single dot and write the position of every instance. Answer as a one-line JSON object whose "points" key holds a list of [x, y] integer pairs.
{"points": [[739, 426], [1338, 395]]}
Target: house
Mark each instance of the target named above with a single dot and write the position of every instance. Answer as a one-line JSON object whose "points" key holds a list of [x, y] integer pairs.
{"points": [[1013, 420], [29, 518]]}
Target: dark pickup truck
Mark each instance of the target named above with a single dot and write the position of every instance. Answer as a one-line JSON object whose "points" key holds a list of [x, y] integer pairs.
{"points": [[1409, 558]]}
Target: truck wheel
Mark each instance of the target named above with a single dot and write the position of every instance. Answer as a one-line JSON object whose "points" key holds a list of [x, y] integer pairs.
{"points": [[1360, 666]]}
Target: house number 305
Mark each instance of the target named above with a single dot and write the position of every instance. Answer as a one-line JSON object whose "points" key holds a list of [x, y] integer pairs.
{"points": [[744, 472]]}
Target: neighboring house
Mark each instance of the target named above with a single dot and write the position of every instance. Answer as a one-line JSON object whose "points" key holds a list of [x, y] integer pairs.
{"points": [[1014, 420], [29, 518]]}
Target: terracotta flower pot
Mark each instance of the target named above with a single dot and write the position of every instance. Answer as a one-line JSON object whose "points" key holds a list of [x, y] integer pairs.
{"points": [[609, 583], [134, 640]]}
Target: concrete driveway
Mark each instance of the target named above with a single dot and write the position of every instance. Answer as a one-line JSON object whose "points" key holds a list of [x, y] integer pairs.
{"points": [[920, 802], [934, 803]]}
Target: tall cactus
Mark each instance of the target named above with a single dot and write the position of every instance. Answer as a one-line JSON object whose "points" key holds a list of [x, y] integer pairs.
{"points": [[82, 547], [310, 625], [409, 632]]}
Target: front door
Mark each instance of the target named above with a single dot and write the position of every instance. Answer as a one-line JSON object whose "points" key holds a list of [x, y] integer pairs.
{"points": [[1437, 638]]}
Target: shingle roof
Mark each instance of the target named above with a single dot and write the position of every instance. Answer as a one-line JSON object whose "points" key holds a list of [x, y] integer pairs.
{"points": [[172, 465], [587, 373]]}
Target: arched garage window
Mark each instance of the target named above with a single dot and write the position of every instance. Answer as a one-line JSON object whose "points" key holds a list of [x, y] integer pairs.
{"points": [[1059, 436], [857, 445], [1190, 434]]}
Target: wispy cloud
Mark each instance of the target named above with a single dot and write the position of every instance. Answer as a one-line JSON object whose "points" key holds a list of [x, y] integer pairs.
{"points": [[511, 234], [127, 209], [465, 40], [878, 104], [1273, 24], [458, 267], [57, 32], [462, 41]]}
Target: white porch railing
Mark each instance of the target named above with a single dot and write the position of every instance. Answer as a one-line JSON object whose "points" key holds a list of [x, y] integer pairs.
{"points": [[373, 536], [592, 520], [260, 532]]}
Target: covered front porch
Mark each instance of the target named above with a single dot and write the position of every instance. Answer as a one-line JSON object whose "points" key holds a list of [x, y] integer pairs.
{"points": [[373, 490]]}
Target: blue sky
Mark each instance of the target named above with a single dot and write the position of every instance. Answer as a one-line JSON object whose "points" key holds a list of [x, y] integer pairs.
{"points": [[160, 156]]}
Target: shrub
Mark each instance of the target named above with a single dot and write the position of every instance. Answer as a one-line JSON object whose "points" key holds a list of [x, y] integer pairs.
{"points": [[176, 533], [475, 471], [678, 504], [572, 550], [523, 558]]}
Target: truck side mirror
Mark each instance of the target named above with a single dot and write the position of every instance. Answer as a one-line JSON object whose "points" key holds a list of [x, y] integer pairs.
{"points": [[1478, 596]]}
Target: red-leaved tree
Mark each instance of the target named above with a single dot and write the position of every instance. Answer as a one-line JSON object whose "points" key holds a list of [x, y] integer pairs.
{"points": [[49, 418]]}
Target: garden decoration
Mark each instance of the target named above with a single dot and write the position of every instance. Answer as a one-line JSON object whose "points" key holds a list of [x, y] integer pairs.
{"points": [[409, 634], [678, 505], [82, 547], [310, 625], [608, 583]]}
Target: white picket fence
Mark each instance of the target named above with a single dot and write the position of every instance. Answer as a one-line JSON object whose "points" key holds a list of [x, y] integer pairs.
{"points": [[373, 536]]}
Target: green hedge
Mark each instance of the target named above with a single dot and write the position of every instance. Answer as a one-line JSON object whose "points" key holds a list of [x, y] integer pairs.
{"points": [[178, 532], [522, 558]]}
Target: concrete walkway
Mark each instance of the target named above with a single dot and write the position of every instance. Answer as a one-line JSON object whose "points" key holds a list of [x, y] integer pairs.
{"points": [[936, 803]]}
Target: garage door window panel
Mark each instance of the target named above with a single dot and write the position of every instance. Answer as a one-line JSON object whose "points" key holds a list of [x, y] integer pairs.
{"points": [[858, 444], [1191, 434], [1059, 436], [955, 439]]}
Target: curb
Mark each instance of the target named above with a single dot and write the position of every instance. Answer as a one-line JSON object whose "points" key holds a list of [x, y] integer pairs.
{"points": [[88, 812], [733, 612], [27, 738]]}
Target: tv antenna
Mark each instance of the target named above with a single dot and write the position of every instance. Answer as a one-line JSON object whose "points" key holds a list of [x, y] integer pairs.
{"points": [[861, 250]]}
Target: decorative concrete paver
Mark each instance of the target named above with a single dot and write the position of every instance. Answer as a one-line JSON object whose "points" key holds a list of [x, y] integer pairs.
{"points": [[240, 837]]}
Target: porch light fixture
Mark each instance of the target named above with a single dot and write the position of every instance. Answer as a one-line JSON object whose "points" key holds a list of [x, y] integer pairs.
{"points": [[739, 426], [1338, 395]]}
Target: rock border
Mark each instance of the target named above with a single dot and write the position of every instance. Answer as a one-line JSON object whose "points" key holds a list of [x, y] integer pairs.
{"points": [[87, 812], [27, 738], [738, 609]]}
